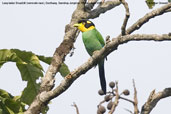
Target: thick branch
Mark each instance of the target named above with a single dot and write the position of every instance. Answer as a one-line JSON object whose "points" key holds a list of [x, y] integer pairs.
{"points": [[81, 5], [46, 92], [47, 82], [111, 46], [169, 10], [154, 99]]}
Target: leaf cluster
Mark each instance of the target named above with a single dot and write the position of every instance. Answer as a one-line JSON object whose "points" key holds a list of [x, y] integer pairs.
{"points": [[31, 70]]}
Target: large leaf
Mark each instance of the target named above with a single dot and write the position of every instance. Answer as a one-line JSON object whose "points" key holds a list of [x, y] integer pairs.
{"points": [[28, 57], [10, 104], [29, 73], [29, 67], [150, 3], [15, 55], [63, 70]]}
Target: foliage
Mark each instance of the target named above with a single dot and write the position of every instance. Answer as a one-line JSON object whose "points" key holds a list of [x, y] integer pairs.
{"points": [[10, 104], [150, 3], [31, 70], [63, 70]]}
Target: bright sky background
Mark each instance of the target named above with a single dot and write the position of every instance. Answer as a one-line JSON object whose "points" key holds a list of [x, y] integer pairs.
{"points": [[40, 29]]}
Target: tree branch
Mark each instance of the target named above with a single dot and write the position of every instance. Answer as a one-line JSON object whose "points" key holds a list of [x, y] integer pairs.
{"points": [[127, 100], [169, 10], [102, 8], [47, 83], [136, 111], [90, 4], [126, 17], [111, 46], [76, 107], [147, 17], [81, 5], [153, 100]]}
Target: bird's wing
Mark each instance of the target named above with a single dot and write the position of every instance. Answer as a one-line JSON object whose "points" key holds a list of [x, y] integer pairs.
{"points": [[100, 38]]}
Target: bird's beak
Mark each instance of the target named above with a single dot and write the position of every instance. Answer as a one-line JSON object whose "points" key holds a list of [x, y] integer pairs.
{"points": [[76, 25]]}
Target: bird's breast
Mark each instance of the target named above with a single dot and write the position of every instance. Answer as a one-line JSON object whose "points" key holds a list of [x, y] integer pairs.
{"points": [[91, 42]]}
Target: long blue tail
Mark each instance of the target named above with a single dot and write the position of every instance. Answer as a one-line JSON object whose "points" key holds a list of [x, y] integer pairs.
{"points": [[102, 76]]}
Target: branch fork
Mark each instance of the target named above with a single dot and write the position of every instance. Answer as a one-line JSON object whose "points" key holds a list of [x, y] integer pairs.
{"points": [[71, 33]]}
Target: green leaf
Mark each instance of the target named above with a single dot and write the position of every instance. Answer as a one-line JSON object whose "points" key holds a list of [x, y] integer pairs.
{"points": [[28, 57], [30, 69], [44, 109], [7, 56], [150, 3], [5, 94], [18, 56], [169, 0], [63, 70], [29, 73], [10, 104], [46, 60]]}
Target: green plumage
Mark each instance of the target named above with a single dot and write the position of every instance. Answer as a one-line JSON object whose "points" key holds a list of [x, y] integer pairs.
{"points": [[93, 41]]}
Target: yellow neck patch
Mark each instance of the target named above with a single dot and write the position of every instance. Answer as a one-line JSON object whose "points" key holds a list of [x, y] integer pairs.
{"points": [[82, 28]]}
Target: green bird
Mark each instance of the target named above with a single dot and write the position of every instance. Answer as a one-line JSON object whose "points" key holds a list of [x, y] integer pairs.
{"points": [[93, 41]]}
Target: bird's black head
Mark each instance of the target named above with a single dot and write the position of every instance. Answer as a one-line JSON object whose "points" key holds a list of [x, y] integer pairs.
{"points": [[85, 25]]}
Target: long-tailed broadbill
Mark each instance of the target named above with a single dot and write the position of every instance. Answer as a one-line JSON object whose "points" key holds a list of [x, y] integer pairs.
{"points": [[93, 41]]}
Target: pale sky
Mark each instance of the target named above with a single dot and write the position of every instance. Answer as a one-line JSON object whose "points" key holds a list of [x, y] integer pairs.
{"points": [[40, 29]]}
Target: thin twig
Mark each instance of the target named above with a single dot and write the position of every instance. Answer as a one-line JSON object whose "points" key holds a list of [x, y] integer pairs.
{"points": [[115, 103], [102, 8], [136, 111], [129, 111], [123, 32], [147, 17], [127, 100], [101, 103], [90, 4], [76, 107]]}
